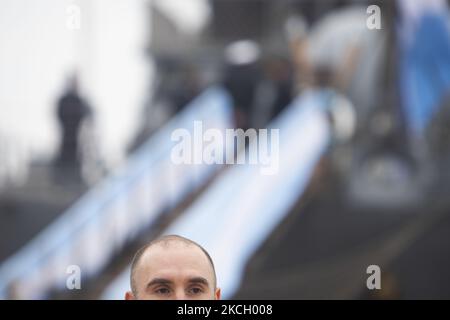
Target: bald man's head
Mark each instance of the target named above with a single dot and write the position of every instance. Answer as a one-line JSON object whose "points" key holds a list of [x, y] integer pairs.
{"points": [[173, 267]]}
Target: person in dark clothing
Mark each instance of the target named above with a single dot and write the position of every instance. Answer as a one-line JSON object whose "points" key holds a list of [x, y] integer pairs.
{"points": [[241, 81], [72, 110], [242, 74]]}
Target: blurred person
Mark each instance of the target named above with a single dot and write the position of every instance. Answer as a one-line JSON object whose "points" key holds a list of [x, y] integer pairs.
{"points": [[327, 53], [72, 110], [241, 79], [172, 268]]}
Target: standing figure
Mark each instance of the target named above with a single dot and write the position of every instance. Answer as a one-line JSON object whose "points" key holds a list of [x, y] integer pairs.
{"points": [[72, 110]]}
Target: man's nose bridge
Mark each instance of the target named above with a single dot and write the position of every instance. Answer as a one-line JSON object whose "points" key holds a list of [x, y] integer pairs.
{"points": [[180, 294]]}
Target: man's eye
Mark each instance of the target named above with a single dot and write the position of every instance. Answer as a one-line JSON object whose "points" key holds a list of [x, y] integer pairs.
{"points": [[162, 291], [195, 290]]}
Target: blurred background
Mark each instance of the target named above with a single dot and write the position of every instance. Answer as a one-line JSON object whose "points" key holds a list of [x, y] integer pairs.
{"points": [[92, 90]]}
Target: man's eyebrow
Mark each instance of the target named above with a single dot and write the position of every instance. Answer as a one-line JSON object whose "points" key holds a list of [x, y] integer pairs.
{"points": [[199, 280], [159, 281]]}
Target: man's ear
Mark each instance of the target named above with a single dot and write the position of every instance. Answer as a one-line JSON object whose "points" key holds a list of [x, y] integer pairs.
{"points": [[129, 296], [217, 294]]}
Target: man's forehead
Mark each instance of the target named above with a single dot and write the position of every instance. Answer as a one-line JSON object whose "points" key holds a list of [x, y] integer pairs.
{"points": [[169, 245], [185, 261], [172, 253]]}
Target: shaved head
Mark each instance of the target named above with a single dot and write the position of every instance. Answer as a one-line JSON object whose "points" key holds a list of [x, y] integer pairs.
{"points": [[167, 245]]}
